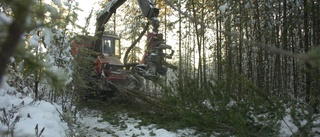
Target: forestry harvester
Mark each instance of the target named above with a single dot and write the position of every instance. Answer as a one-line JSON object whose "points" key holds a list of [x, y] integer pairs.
{"points": [[112, 74]]}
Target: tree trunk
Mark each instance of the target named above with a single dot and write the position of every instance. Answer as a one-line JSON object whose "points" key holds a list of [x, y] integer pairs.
{"points": [[306, 48], [203, 43], [285, 70], [180, 49], [240, 46], [198, 35], [218, 35], [260, 63]]}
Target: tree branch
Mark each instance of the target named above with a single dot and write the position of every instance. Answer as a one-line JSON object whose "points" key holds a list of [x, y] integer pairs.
{"points": [[125, 61], [20, 10]]}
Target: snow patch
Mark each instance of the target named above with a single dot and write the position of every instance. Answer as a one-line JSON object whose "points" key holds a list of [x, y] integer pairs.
{"points": [[4, 20], [11, 59], [66, 3], [24, 113], [287, 128], [92, 122], [223, 8], [68, 81], [57, 2], [45, 115], [48, 36], [34, 41], [248, 5], [207, 104], [5, 88]]}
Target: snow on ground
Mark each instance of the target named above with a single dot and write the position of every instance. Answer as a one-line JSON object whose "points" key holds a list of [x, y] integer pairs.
{"points": [[287, 127], [93, 125], [22, 114]]}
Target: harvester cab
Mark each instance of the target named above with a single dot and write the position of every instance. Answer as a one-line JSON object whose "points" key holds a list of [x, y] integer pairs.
{"points": [[111, 45], [108, 64]]}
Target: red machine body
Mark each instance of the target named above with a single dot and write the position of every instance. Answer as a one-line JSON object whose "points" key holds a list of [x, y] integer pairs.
{"points": [[107, 65]]}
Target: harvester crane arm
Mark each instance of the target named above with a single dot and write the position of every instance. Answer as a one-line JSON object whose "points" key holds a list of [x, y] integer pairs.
{"points": [[148, 8]]}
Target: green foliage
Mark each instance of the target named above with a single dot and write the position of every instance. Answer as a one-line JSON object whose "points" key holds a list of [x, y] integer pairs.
{"points": [[215, 107], [56, 77], [20, 9], [33, 63], [29, 59], [313, 56], [211, 109], [303, 118], [44, 46], [84, 69]]}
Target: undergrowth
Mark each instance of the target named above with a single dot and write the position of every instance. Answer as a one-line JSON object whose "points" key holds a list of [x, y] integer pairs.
{"points": [[216, 109], [213, 108]]}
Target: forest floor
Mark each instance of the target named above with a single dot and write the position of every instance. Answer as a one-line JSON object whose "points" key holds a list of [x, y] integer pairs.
{"points": [[100, 119], [124, 120]]}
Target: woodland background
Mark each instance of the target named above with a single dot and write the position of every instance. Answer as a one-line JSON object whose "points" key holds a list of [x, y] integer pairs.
{"points": [[243, 66]]}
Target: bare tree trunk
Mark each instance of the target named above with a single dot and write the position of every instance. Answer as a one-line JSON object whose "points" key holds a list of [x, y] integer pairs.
{"points": [[277, 65], [240, 47], [218, 35], [315, 38], [285, 70], [203, 43], [260, 63], [306, 48], [199, 75], [180, 49]]}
